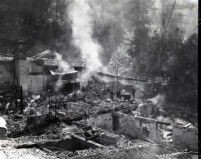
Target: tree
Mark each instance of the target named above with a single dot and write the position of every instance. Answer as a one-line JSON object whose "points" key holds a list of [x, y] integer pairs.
{"points": [[34, 21], [138, 16], [184, 72], [120, 60]]}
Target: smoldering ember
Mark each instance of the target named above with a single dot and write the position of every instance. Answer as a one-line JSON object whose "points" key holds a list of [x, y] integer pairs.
{"points": [[91, 79]]}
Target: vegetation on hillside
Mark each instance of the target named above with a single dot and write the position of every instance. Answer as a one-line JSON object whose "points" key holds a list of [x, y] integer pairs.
{"points": [[166, 53]]}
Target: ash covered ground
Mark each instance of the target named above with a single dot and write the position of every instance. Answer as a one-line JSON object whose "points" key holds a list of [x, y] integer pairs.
{"points": [[87, 126], [98, 79]]}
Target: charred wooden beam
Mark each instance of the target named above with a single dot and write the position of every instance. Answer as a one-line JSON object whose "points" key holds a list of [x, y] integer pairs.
{"points": [[121, 77]]}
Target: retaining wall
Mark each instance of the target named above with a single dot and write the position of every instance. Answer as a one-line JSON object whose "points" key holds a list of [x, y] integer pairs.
{"points": [[128, 125]]}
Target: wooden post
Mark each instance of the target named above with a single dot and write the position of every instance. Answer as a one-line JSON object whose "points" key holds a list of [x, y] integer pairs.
{"points": [[15, 94], [115, 121], [21, 100], [116, 82]]}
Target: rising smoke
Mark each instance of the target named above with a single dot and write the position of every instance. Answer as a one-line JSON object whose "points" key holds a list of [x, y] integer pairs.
{"points": [[158, 100], [79, 13], [98, 26], [63, 67]]}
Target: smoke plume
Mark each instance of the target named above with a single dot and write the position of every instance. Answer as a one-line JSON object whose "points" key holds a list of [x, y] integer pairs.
{"points": [[64, 67], [79, 13], [99, 26], [158, 100]]}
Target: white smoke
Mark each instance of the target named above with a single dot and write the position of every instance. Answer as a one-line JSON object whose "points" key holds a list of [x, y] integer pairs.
{"points": [[64, 67], [84, 13], [158, 100], [80, 14]]}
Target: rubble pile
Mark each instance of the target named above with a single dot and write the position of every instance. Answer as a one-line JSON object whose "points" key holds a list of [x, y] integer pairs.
{"points": [[57, 117], [15, 123]]}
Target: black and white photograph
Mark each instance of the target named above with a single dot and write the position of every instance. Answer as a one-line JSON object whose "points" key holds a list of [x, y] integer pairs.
{"points": [[99, 79]]}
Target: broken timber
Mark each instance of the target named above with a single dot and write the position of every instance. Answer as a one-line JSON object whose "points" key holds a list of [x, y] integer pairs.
{"points": [[88, 142], [121, 77]]}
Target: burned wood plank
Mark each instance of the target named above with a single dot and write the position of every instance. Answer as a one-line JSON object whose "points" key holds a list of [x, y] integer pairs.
{"points": [[27, 145], [88, 142], [121, 77]]}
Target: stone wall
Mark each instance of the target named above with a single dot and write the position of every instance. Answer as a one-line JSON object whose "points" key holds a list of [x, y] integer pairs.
{"points": [[6, 72], [103, 121], [33, 84], [36, 83], [22, 72], [185, 137], [35, 68], [128, 125], [138, 128]]}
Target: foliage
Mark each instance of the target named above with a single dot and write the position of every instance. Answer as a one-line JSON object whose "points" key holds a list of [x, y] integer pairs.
{"points": [[178, 63], [34, 22], [165, 54], [183, 72], [120, 61]]}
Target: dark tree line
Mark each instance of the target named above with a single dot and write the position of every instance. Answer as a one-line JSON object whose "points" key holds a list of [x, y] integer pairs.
{"points": [[33, 21], [166, 55]]}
